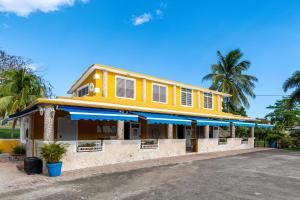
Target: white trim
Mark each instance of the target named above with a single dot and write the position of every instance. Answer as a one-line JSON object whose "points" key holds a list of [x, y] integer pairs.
{"points": [[134, 87], [211, 121], [212, 101], [93, 67], [192, 100], [96, 90], [104, 84], [81, 87], [102, 114], [126, 107], [159, 85]]}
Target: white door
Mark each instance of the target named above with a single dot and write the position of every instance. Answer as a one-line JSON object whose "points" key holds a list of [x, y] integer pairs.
{"points": [[67, 129], [188, 136]]}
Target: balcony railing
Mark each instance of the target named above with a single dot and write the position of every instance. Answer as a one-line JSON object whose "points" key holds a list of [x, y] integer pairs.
{"points": [[89, 146], [149, 144], [222, 141], [244, 141]]}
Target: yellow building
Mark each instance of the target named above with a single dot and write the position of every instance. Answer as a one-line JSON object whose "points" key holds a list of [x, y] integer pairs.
{"points": [[129, 116]]}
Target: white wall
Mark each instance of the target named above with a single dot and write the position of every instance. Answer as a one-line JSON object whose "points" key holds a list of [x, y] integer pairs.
{"points": [[211, 145], [118, 151]]}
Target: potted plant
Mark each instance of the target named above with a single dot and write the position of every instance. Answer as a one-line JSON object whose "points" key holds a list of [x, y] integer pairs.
{"points": [[52, 153]]}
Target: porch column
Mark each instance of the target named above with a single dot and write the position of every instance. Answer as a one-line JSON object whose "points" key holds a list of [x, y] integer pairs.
{"points": [[206, 131], [49, 113], [251, 130], [120, 130], [170, 131], [232, 130]]}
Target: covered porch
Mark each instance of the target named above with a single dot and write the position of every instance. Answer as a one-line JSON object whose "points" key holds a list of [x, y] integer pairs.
{"points": [[98, 136]]}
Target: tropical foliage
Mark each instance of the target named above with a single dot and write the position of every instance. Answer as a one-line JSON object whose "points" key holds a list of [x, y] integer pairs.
{"points": [[293, 83], [228, 76], [20, 88], [281, 116]]}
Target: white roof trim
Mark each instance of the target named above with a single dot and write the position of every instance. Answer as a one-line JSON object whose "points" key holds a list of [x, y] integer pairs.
{"points": [[128, 107], [92, 68]]}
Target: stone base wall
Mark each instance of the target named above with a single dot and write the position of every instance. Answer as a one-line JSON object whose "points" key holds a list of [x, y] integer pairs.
{"points": [[118, 151], [212, 145]]}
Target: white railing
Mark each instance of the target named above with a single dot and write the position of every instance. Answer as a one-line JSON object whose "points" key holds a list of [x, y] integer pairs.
{"points": [[244, 141], [149, 144], [222, 141], [89, 145]]}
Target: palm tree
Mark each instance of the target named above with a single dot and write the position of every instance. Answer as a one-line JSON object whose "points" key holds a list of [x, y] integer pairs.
{"points": [[228, 76], [20, 88], [291, 83]]}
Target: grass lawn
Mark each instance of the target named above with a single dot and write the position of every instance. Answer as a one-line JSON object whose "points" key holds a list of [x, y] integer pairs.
{"points": [[6, 133], [293, 149]]}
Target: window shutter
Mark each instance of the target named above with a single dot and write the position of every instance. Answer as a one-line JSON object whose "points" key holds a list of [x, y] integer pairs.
{"points": [[163, 94], [129, 89], [155, 92]]}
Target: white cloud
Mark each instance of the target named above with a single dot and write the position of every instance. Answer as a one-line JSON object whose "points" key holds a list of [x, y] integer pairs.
{"points": [[24, 7], [147, 17], [142, 19]]}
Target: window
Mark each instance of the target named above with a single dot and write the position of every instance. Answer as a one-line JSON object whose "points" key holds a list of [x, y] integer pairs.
{"points": [[186, 97], [159, 93], [83, 92], [208, 100], [125, 87]]}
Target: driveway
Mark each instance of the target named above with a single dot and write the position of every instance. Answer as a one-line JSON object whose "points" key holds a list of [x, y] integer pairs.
{"points": [[259, 175]]}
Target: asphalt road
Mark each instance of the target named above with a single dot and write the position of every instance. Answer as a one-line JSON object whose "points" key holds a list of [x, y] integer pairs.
{"points": [[261, 175]]}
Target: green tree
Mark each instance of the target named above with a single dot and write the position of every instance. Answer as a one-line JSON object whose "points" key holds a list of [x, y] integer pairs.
{"points": [[20, 88], [293, 83], [282, 116], [228, 76]]}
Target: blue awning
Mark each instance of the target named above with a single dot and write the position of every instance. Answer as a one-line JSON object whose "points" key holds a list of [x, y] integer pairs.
{"points": [[20, 114], [210, 122], [241, 123], [155, 118], [78, 113], [264, 126]]}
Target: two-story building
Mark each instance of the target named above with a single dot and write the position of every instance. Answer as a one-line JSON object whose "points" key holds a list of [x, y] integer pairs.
{"points": [[114, 116]]}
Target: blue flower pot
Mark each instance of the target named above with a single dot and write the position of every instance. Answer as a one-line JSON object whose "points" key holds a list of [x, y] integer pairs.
{"points": [[54, 169]]}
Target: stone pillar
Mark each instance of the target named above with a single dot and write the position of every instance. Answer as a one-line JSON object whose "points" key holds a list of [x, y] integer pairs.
{"points": [[232, 130], [49, 113], [120, 130], [206, 131], [251, 132], [170, 131], [104, 84]]}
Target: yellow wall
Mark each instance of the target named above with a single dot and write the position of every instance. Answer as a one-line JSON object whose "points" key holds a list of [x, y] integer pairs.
{"points": [[7, 145], [138, 101]]}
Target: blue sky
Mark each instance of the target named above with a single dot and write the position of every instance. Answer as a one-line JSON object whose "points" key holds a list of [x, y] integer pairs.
{"points": [[172, 39]]}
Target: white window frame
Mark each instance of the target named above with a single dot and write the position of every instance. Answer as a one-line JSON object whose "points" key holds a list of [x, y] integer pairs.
{"points": [[134, 87], [192, 97], [160, 85], [212, 101], [80, 88]]}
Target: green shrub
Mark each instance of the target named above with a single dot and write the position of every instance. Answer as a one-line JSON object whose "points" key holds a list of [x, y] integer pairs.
{"points": [[287, 142], [53, 152], [1, 151], [18, 149]]}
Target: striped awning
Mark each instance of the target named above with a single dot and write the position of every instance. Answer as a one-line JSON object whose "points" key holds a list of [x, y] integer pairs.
{"points": [[78, 113], [156, 118], [264, 126], [210, 122], [242, 123]]}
